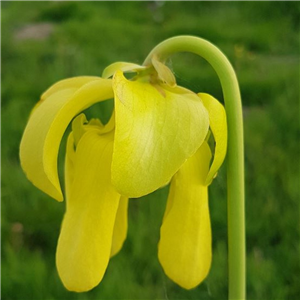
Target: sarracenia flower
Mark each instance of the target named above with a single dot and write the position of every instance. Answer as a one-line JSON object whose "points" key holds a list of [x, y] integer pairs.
{"points": [[159, 133]]}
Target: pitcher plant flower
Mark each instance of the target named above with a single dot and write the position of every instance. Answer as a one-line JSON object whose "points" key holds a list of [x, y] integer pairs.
{"points": [[159, 133]]}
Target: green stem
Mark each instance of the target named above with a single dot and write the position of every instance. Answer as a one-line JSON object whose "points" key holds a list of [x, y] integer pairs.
{"points": [[235, 155]]}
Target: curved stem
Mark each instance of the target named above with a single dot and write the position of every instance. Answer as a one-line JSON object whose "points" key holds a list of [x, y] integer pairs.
{"points": [[235, 155]]}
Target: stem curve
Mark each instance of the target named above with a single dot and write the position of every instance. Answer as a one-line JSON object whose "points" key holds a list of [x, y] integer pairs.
{"points": [[235, 153]]}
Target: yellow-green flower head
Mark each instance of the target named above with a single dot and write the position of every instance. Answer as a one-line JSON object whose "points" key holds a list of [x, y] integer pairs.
{"points": [[158, 134]]}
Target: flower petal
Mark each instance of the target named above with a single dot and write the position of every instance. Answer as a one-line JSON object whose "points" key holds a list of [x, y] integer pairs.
{"points": [[73, 82], [218, 125], [47, 123], [120, 228], [69, 164], [184, 249], [85, 241], [157, 129], [80, 126]]}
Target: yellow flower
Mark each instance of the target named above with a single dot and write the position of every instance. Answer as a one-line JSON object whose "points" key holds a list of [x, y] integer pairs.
{"points": [[157, 134]]}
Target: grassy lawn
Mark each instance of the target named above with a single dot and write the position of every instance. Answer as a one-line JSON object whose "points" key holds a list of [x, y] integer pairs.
{"points": [[43, 42]]}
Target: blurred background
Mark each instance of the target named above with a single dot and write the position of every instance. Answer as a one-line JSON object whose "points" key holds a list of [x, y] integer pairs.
{"points": [[43, 42]]}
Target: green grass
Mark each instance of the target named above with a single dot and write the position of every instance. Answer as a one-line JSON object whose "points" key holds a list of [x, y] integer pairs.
{"points": [[262, 42]]}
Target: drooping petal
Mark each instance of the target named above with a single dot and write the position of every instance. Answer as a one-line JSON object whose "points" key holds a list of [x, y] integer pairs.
{"points": [[69, 164], [157, 129], [120, 228], [121, 66], [218, 125], [80, 126], [69, 83], [46, 126], [184, 249], [85, 241]]}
